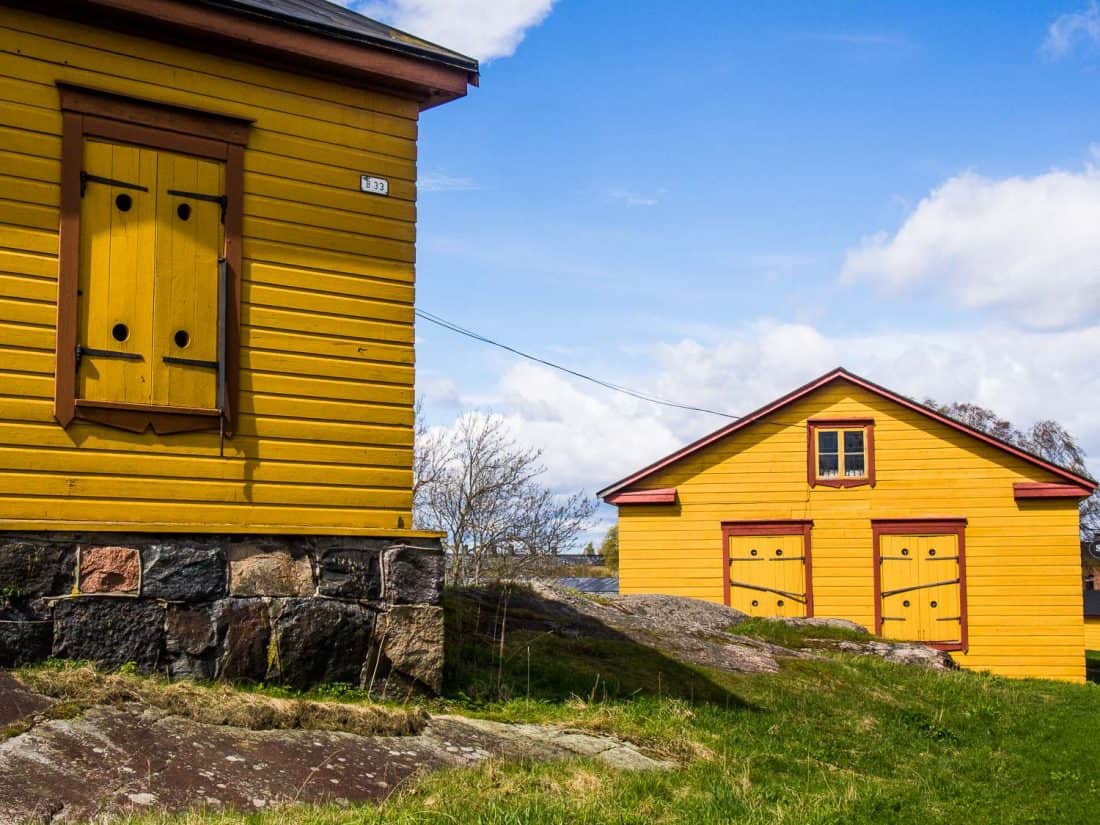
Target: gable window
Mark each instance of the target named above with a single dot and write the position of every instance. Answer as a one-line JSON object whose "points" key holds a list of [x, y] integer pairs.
{"points": [[149, 264], [840, 453]]}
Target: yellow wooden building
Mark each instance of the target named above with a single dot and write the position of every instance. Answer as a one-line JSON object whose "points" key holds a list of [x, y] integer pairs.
{"points": [[844, 499], [207, 227]]}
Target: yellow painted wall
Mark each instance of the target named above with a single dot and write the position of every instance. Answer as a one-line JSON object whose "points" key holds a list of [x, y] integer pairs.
{"points": [[1023, 559], [325, 432], [1092, 633]]}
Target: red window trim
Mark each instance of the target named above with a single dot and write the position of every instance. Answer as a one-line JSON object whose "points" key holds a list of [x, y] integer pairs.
{"points": [[1046, 489], [666, 495], [91, 113], [793, 527], [904, 527], [815, 424]]}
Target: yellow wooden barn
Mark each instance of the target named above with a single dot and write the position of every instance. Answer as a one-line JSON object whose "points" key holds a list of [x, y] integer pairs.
{"points": [[844, 499], [207, 225]]}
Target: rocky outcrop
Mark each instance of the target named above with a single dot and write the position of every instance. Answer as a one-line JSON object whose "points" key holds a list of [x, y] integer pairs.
{"points": [[87, 768]]}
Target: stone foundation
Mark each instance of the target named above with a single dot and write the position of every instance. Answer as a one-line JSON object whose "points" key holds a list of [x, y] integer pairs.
{"points": [[293, 610]]}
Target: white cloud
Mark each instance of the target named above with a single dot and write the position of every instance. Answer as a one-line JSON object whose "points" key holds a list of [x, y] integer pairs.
{"points": [[636, 199], [1028, 247], [441, 182], [591, 437], [485, 29], [1069, 30]]}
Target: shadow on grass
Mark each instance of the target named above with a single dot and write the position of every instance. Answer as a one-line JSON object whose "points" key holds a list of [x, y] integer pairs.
{"points": [[510, 643]]}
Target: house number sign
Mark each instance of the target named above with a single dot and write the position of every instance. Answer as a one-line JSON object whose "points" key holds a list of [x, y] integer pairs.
{"points": [[374, 186]]}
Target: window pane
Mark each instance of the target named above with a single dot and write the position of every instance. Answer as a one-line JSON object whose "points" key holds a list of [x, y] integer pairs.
{"points": [[827, 465], [853, 441], [853, 465], [827, 441]]}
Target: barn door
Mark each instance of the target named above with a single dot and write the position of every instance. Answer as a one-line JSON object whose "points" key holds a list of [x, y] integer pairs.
{"points": [[767, 575], [920, 588]]}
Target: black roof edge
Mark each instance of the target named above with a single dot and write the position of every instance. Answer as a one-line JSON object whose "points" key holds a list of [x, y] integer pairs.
{"points": [[430, 51]]}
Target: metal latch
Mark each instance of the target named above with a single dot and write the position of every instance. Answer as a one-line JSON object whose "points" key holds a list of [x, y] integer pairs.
{"points": [[221, 200], [105, 353], [86, 178]]}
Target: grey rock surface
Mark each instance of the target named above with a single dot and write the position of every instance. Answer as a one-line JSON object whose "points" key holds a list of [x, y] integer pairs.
{"points": [[818, 621], [318, 640], [183, 572], [115, 761], [349, 573], [31, 569], [109, 630], [412, 575]]}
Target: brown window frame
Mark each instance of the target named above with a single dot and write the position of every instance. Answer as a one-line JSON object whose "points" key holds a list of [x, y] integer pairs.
{"points": [[91, 113], [816, 424]]}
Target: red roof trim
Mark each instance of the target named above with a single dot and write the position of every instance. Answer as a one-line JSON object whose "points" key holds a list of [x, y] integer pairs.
{"points": [[664, 496], [1046, 489], [834, 375]]}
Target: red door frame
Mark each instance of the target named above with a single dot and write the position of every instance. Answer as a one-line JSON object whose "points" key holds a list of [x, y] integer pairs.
{"points": [[768, 528], [910, 527]]}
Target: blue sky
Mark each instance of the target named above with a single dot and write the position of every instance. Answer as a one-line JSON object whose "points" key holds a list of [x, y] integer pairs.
{"points": [[716, 202]]}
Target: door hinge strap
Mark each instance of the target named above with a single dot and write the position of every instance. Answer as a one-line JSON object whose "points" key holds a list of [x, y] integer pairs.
{"points": [[786, 558], [950, 619], [105, 353], [190, 362], [796, 596], [86, 178], [898, 590], [221, 200]]}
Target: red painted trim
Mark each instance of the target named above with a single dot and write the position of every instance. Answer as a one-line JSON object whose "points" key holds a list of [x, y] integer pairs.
{"points": [[665, 496], [906, 527], [792, 527], [269, 42], [1044, 489], [815, 424], [839, 374]]}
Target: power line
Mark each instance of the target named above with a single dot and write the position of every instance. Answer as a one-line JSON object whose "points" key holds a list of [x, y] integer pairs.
{"points": [[453, 327]]}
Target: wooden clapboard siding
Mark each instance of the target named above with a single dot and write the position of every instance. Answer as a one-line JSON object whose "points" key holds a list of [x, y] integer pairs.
{"points": [[324, 442], [1022, 558], [1092, 633]]}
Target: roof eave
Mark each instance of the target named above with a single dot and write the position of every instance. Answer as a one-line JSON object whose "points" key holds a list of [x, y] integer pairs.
{"points": [[833, 375], [263, 39]]}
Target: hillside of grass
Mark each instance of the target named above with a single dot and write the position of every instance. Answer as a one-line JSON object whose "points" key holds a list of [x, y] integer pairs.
{"points": [[838, 739]]}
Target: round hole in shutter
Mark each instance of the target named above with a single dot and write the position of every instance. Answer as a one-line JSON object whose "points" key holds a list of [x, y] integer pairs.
{"points": [[778, 551], [752, 552], [181, 338], [184, 211], [905, 603], [120, 332], [932, 551], [124, 202], [779, 603], [905, 551], [935, 603], [755, 603]]}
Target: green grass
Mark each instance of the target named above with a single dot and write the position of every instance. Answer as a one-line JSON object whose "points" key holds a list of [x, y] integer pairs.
{"points": [[781, 633], [842, 740]]}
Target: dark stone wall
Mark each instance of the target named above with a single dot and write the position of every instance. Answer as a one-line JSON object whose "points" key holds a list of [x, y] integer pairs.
{"points": [[297, 610]]}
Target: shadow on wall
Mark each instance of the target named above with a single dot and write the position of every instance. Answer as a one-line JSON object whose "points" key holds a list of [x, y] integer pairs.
{"points": [[510, 643]]}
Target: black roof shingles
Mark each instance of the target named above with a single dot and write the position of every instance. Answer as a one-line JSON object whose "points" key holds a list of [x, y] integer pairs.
{"points": [[331, 20]]}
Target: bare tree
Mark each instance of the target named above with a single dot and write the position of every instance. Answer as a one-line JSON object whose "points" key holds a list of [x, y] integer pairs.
{"points": [[482, 488], [1047, 439]]}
